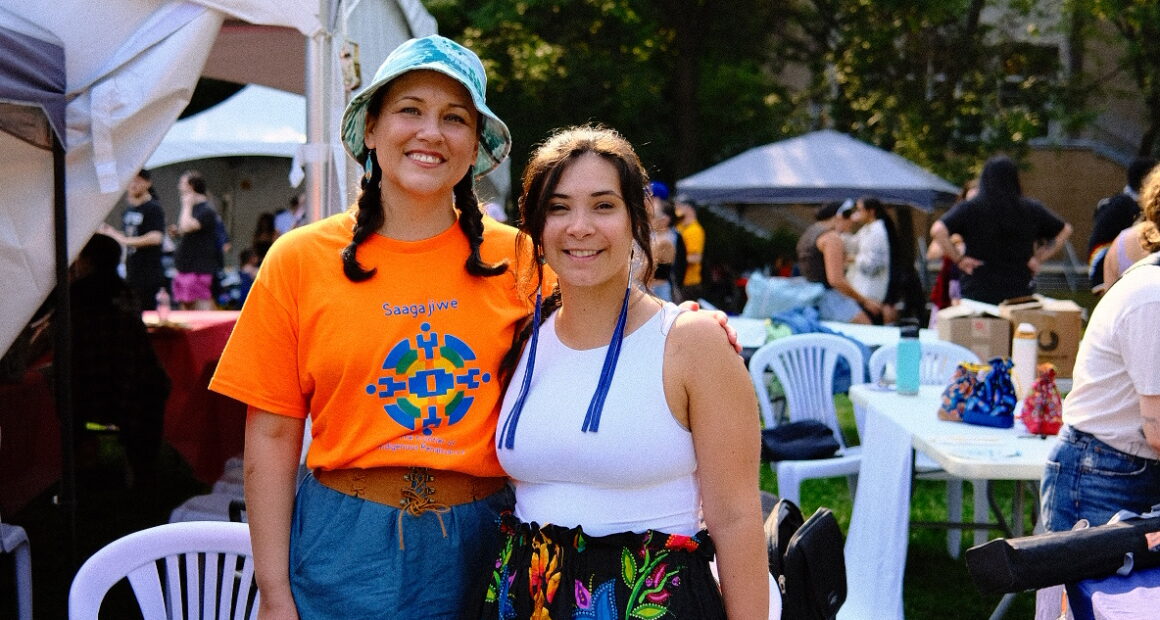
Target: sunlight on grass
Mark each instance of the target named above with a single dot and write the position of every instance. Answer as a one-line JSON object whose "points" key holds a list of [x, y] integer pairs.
{"points": [[935, 585]]}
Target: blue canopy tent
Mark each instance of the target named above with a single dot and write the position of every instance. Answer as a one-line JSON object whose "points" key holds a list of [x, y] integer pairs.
{"points": [[813, 168]]}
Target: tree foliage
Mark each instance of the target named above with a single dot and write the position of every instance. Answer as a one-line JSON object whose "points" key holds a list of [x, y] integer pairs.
{"points": [[927, 79], [1137, 27], [553, 63], [692, 82]]}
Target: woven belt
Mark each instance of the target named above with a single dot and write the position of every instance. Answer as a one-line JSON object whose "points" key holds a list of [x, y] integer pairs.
{"points": [[414, 490]]}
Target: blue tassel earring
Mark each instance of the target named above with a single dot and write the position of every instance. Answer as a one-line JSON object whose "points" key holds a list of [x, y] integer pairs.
{"points": [[369, 165]]}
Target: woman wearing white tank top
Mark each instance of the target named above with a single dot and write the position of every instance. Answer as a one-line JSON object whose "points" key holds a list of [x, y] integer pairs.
{"points": [[625, 420]]}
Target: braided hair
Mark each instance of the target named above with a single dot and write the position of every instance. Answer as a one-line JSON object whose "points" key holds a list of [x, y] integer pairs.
{"points": [[371, 217]]}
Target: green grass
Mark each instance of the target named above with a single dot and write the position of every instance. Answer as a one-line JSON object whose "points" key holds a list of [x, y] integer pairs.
{"points": [[934, 585]]}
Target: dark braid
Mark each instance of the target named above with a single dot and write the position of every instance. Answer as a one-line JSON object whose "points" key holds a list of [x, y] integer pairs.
{"points": [[471, 223], [370, 218]]}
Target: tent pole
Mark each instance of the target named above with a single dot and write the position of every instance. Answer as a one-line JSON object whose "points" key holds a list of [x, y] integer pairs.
{"points": [[317, 100], [63, 355]]}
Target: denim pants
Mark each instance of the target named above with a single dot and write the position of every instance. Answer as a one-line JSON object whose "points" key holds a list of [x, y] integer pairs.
{"points": [[1088, 479], [346, 561]]}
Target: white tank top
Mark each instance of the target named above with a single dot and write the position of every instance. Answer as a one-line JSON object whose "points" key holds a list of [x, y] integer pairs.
{"points": [[638, 472]]}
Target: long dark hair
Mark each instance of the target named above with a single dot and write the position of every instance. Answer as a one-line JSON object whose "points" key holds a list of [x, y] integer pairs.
{"points": [[371, 216], [1002, 195], [541, 176]]}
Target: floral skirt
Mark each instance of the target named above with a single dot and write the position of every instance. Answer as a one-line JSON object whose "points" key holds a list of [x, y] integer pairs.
{"points": [[554, 573]]}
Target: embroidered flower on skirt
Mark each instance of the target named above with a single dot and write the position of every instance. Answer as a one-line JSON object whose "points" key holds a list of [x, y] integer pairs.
{"points": [[552, 572]]}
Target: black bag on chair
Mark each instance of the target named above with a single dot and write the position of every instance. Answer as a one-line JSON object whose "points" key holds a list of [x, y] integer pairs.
{"points": [[807, 557], [798, 441]]}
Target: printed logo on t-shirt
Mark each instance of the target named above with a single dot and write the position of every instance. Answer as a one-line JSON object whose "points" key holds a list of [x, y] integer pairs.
{"points": [[428, 383]]}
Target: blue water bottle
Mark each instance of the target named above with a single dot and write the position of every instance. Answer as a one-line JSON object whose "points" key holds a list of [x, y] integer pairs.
{"points": [[909, 356]]}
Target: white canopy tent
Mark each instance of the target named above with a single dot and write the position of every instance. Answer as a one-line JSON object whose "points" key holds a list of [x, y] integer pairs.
{"points": [[257, 120], [816, 167], [130, 67]]}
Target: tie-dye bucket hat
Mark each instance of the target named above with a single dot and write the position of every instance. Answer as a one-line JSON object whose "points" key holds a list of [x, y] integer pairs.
{"points": [[433, 53]]}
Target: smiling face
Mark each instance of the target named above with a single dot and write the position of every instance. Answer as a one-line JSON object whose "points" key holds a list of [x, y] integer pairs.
{"points": [[139, 189], [425, 134], [587, 234]]}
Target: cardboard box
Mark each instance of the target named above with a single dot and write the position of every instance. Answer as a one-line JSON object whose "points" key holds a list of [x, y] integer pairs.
{"points": [[986, 334], [1058, 325]]}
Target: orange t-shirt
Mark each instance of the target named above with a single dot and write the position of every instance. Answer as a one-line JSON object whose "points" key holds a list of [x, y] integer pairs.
{"points": [[398, 370], [694, 237]]}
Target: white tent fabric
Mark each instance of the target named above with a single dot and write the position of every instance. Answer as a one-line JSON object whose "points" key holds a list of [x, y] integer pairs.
{"points": [[816, 167], [131, 66], [255, 121]]}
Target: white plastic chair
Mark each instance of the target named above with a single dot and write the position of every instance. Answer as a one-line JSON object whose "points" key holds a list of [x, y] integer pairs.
{"points": [[228, 497], [206, 567], [804, 364], [14, 540], [936, 367]]}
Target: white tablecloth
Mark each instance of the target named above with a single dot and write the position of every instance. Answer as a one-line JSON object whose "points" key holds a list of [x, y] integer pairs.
{"points": [[879, 527]]}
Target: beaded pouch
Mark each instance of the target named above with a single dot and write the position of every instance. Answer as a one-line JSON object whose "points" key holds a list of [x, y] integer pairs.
{"points": [[993, 401], [1043, 408], [962, 385]]}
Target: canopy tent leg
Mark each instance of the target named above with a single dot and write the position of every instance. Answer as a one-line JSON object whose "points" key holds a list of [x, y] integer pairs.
{"points": [[63, 353]]}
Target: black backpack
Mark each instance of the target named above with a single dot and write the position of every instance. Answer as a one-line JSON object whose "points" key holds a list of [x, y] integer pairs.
{"points": [[807, 558]]}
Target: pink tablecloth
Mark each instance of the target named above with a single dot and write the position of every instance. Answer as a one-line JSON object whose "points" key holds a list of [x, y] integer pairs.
{"points": [[206, 428], [29, 441]]}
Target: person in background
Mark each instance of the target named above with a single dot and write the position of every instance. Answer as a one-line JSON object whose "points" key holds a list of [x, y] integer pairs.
{"points": [[947, 288], [249, 261], [872, 268], [1113, 215], [1004, 234], [143, 231], [198, 254], [1108, 455], [822, 258], [116, 376], [264, 234], [386, 325], [292, 217], [694, 237], [671, 429], [1124, 251], [667, 246]]}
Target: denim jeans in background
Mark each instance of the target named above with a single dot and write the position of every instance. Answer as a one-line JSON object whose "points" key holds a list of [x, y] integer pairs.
{"points": [[1088, 479]]}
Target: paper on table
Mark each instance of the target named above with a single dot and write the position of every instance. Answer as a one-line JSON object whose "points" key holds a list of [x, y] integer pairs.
{"points": [[984, 454], [955, 440]]}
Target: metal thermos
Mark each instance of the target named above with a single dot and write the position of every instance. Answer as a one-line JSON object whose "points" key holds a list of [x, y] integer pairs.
{"points": [[909, 358]]}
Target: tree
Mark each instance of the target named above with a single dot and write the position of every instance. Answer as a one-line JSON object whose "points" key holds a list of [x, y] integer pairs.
{"points": [[1137, 23], [682, 79], [923, 78]]}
